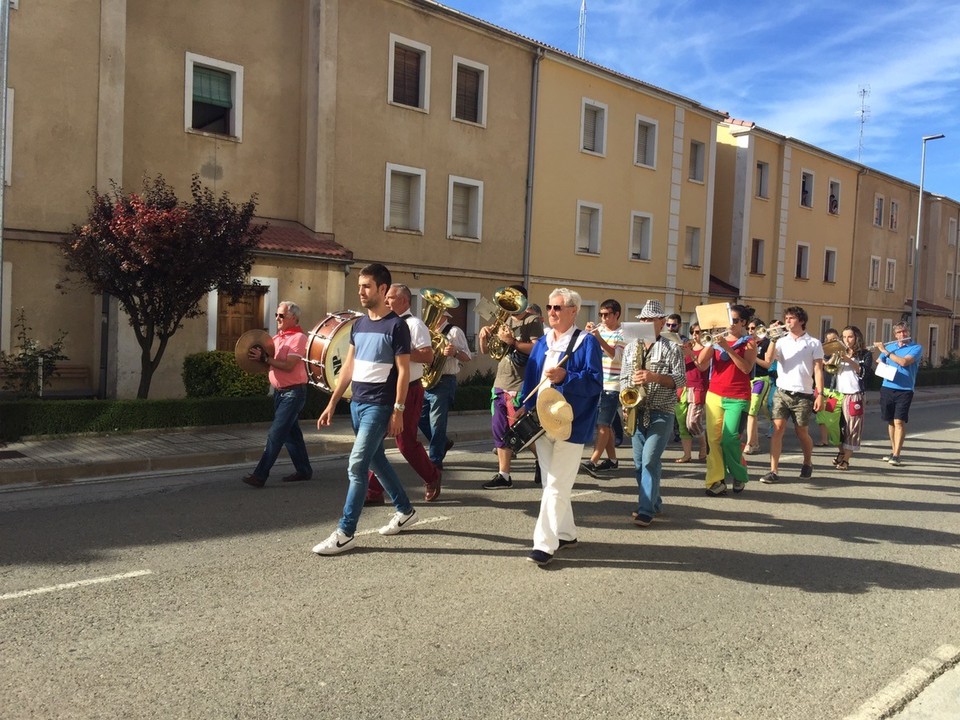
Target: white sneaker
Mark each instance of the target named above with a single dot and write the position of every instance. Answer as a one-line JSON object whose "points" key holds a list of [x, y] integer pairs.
{"points": [[337, 543], [399, 522]]}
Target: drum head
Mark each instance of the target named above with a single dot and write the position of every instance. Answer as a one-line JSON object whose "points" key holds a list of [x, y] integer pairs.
{"points": [[327, 347]]}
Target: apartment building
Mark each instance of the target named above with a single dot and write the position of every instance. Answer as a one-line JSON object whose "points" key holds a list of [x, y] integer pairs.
{"points": [[623, 189]]}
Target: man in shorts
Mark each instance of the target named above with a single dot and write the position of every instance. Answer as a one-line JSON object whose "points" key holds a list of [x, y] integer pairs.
{"points": [[799, 366], [610, 335], [896, 395]]}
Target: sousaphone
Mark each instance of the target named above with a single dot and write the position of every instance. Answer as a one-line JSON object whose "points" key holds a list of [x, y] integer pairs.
{"points": [[252, 339]]}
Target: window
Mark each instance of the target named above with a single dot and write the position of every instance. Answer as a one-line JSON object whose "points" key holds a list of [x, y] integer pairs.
{"points": [[833, 199], [692, 247], [878, 210], [826, 322], [8, 140], [404, 200], [409, 73], [933, 345], [213, 98], [464, 208], [887, 330], [763, 180], [645, 150], [588, 228], [874, 272], [469, 91], [806, 189], [948, 286], [830, 265], [697, 156], [14, 4], [641, 236], [593, 127], [891, 274], [756, 257], [870, 334], [951, 227], [803, 261], [894, 214]]}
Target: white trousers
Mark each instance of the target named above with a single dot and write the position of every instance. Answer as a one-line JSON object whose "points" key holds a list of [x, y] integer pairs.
{"points": [[559, 463]]}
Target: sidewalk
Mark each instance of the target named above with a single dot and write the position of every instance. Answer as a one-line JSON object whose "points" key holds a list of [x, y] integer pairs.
{"points": [[65, 459]]}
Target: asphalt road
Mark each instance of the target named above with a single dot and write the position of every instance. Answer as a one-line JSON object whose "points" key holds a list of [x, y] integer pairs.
{"points": [[798, 600]]}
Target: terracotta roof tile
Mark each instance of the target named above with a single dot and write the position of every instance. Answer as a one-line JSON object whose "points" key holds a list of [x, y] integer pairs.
{"points": [[930, 308], [299, 241]]}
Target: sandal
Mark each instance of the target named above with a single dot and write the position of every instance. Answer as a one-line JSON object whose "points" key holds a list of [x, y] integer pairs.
{"points": [[839, 458], [843, 465], [685, 459]]}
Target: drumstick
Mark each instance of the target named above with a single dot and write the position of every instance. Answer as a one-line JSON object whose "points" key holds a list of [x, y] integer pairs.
{"points": [[537, 388]]}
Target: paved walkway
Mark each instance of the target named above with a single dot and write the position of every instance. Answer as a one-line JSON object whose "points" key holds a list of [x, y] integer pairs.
{"points": [[68, 458]]}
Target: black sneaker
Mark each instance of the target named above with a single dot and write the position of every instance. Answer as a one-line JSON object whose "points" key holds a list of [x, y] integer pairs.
{"points": [[770, 478], [539, 557], [567, 543], [738, 486], [537, 478], [717, 489], [606, 465], [806, 471], [498, 481]]}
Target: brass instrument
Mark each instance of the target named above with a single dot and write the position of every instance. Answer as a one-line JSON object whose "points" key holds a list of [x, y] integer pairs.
{"points": [[438, 302], [672, 337], [774, 333], [833, 351], [632, 397], [511, 302], [708, 338]]}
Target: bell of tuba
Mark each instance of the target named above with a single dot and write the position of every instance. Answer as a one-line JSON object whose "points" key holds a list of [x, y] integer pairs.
{"points": [[511, 302], [437, 303]]}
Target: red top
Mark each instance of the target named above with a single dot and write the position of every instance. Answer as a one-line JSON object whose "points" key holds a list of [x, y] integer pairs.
{"points": [[726, 379], [288, 343]]}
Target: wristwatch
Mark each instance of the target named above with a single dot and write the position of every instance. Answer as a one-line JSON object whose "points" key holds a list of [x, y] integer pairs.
{"points": [[399, 406]]}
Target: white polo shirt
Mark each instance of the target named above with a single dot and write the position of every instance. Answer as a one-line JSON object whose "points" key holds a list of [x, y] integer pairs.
{"points": [[419, 339], [795, 357]]}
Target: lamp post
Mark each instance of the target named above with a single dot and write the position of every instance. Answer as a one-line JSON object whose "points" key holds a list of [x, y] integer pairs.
{"points": [[916, 240]]}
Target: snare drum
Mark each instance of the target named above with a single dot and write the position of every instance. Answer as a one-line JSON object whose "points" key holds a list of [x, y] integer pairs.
{"points": [[524, 432], [327, 347]]}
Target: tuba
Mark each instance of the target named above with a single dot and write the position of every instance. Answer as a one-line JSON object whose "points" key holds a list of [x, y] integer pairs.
{"points": [[511, 302], [437, 303], [632, 397]]}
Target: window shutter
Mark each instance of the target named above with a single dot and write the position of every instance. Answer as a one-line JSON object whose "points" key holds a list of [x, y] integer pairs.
{"points": [[590, 116], [211, 87], [400, 186], [468, 94], [583, 234], [460, 220], [643, 132], [406, 76]]}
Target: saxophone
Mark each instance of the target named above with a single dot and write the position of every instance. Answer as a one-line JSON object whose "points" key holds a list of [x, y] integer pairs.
{"points": [[633, 397]]}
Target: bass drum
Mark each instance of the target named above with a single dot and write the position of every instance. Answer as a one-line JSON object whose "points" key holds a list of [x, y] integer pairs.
{"points": [[327, 347]]}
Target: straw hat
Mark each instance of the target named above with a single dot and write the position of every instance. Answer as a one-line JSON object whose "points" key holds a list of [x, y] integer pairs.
{"points": [[251, 339], [555, 414]]}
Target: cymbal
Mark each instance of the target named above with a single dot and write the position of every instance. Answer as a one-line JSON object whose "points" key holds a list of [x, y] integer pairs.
{"points": [[250, 339]]}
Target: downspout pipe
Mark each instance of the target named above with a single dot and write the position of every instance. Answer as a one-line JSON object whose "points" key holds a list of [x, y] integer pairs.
{"points": [[4, 53], [531, 153]]}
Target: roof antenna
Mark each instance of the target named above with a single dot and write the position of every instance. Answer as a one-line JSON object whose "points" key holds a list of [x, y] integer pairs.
{"points": [[582, 33], [864, 93]]}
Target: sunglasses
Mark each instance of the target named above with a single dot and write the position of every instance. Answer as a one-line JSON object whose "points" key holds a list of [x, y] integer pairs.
{"points": [[557, 308], [673, 325], [280, 316], [605, 314]]}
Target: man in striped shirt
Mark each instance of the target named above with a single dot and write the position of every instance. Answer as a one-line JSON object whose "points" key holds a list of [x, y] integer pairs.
{"points": [[610, 336]]}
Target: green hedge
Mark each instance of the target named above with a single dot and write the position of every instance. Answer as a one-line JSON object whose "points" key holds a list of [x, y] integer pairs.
{"points": [[20, 418], [216, 374]]}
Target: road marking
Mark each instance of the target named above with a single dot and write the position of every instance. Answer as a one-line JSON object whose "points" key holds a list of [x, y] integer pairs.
{"points": [[905, 688], [418, 523], [76, 584]]}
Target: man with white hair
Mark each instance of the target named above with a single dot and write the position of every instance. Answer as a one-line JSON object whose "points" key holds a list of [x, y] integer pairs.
{"points": [[288, 375], [566, 359]]}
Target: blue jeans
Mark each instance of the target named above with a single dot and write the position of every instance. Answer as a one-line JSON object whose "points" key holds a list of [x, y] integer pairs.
{"points": [[648, 446], [285, 432], [437, 402], [370, 425]]}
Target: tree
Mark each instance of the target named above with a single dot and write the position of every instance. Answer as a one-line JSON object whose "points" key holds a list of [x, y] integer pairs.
{"points": [[160, 257]]}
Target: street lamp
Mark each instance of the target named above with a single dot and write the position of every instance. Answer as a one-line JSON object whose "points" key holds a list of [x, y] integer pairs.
{"points": [[916, 240]]}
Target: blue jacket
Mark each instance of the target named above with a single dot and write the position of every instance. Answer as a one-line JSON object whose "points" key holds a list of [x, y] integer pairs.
{"points": [[581, 387]]}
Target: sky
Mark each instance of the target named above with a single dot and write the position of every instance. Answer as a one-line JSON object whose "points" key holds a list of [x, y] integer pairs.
{"points": [[795, 68]]}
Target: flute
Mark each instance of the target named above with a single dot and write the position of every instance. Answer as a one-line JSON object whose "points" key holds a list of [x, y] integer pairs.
{"points": [[889, 346]]}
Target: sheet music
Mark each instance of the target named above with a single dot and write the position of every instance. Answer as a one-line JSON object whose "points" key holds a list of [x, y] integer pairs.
{"points": [[638, 331]]}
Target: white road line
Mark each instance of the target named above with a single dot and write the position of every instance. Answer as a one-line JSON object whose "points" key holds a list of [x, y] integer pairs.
{"points": [[906, 687], [78, 583], [418, 523]]}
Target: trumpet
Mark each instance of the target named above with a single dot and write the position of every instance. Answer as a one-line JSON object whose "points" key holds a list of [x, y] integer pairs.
{"points": [[774, 333], [708, 338]]}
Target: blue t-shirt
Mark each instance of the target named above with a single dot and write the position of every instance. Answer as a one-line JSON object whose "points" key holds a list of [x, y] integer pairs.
{"points": [[906, 377], [376, 343]]}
